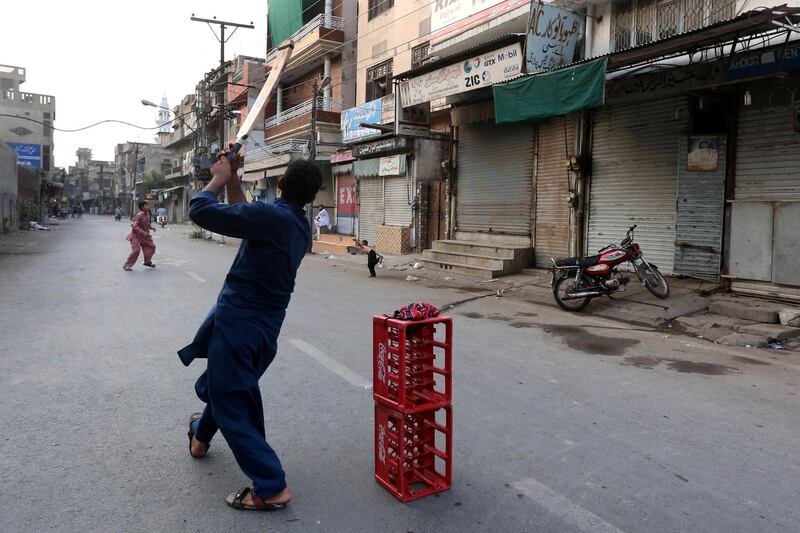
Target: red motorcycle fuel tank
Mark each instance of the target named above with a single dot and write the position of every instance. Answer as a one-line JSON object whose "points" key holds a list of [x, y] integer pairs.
{"points": [[598, 270], [614, 257]]}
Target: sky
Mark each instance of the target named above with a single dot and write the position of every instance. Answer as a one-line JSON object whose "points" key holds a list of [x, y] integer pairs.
{"points": [[100, 59]]}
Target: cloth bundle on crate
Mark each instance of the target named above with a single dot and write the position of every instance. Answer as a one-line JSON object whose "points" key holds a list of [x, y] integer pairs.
{"points": [[416, 311]]}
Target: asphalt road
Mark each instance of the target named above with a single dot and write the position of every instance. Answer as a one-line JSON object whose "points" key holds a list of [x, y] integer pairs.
{"points": [[561, 423]]}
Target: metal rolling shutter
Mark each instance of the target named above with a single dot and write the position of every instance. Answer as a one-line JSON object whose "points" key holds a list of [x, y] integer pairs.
{"points": [[495, 171], [370, 210], [397, 196], [698, 232], [634, 176], [551, 219], [767, 155]]}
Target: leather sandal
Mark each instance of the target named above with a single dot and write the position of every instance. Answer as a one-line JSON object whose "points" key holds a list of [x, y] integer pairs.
{"points": [[196, 416], [236, 500]]}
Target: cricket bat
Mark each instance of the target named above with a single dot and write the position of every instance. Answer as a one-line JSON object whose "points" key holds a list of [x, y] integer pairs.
{"points": [[256, 113]]}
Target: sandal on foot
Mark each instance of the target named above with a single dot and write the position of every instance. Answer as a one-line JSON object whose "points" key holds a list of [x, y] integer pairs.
{"points": [[151, 265], [236, 500], [126, 269], [195, 416]]}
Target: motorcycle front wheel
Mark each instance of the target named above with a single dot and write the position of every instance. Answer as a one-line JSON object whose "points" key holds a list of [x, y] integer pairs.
{"points": [[653, 280], [565, 285]]}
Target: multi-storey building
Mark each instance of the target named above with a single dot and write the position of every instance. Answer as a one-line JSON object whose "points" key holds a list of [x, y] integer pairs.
{"points": [[26, 120], [133, 162], [181, 142], [324, 36]]}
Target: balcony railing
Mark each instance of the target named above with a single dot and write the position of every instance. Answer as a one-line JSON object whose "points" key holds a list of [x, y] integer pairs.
{"points": [[304, 108], [283, 147], [330, 22], [29, 98]]}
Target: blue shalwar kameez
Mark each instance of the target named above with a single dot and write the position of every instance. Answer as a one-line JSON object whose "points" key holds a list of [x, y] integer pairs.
{"points": [[239, 336]]}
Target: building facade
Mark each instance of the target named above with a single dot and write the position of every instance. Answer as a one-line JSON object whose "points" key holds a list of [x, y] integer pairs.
{"points": [[26, 120]]}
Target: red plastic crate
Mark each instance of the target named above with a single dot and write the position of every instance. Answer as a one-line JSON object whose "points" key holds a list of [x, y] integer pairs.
{"points": [[411, 368], [413, 451]]}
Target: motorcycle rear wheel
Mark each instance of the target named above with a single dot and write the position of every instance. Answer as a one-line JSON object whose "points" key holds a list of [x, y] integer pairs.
{"points": [[564, 285], [654, 281]]}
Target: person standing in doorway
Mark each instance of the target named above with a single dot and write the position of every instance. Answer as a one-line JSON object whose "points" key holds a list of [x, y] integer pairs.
{"points": [[322, 220], [140, 238]]}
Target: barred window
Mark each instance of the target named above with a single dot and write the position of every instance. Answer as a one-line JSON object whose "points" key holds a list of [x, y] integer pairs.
{"points": [[639, 22], [379, 80], [376, 7], [418, 53]]}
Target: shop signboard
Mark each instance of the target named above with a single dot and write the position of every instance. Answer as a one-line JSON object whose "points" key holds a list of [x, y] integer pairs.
{"points": [[384, 146], [351, 120], [345, 195], [552, 37], [477, 72], [28, 155], [451, 17]]}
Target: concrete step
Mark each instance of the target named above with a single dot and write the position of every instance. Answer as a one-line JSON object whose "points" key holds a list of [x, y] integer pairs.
{"points": [[500, 251], [337, 239], [749, 311], [484, 261], [330, 247], [769, 331], [460, 268]]}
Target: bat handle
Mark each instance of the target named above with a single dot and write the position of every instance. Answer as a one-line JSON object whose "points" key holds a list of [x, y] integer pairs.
{"points": [[234, 151]]}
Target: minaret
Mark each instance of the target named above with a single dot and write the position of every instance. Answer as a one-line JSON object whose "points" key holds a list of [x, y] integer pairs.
{"points": [[163, 117]]}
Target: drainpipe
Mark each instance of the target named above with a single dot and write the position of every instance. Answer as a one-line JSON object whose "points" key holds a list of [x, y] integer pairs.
{"points": [[326, 93], [588, 36], [279, 100]]}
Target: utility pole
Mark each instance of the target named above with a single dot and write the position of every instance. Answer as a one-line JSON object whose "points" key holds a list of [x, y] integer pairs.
{"points": [[222, 86], [312, 144], [102, 191]]}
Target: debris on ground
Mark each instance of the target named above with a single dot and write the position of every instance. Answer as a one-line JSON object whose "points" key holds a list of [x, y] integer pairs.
{"points": [[488, 280], [417, 265], [776, 345], [412, 278], [35, 225], [448, 278]]}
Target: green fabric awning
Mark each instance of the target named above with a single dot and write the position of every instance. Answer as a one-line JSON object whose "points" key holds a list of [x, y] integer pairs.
{"points": [[550, 94], [285, 18]]}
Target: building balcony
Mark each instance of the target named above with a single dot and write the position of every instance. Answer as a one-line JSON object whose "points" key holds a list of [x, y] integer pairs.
{"points": [[322, 35], [22, 99], [299, 117]]}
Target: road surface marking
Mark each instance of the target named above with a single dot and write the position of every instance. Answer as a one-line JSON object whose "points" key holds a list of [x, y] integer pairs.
{"points": [[563, 507], [195, 276], [331, 364]]}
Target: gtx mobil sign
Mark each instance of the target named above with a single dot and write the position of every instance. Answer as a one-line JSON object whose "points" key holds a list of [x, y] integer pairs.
{"points": [[474, 73], [451, 17]]}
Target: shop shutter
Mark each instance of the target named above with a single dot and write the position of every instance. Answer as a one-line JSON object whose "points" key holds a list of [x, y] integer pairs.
{"points": [[398, 193], [370, 209], [555, 139], [495, 172], [767, 152], [634, 176], [698, 233]]}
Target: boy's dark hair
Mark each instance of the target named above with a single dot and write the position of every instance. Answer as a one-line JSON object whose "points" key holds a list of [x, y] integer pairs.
{"points": [[302, 181], [141, 204], [364, 242]]}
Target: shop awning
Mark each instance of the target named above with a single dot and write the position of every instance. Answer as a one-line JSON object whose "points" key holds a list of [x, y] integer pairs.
{"points": [[366, 168], [550, 94]]}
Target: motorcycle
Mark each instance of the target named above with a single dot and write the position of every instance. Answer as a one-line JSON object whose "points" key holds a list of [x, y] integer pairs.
{"points": [[576, 280], [162, 220]]}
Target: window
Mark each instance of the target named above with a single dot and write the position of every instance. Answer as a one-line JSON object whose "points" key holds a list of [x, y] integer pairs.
{"points": [[379, 81], [46, 157], [639, 22], [418, 53], [376, 7], [47, 128]]}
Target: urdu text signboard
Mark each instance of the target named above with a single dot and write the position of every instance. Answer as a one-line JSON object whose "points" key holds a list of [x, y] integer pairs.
{"points": [[552, 37], [351, 120], [477, 72], [28, 155]]}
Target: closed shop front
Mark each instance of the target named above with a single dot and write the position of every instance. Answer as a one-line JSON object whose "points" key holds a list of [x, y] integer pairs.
{"points": [[345, 199], [370, 208], [398, 195], [765, 213], [494, 178], [551, 217], [635, 159]]}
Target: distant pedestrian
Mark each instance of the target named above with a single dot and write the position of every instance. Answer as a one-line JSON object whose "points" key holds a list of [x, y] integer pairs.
{"points": [[140, 238], [118, 213], [373, 258], [322, 220], [80, 211]]}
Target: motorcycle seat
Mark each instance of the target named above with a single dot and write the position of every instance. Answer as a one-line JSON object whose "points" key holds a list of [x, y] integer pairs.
{"points": [[582, 262]]}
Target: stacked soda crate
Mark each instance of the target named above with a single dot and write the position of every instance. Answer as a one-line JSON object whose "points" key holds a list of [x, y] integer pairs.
{"points": [[412, 389]]}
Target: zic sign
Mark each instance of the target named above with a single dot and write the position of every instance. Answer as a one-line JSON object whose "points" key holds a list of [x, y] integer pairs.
{"points": [[474, 73]]}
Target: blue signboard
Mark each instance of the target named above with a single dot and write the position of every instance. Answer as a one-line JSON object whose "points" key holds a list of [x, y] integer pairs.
{"points": [[369, 113], [764, 62], [28, 155]]}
